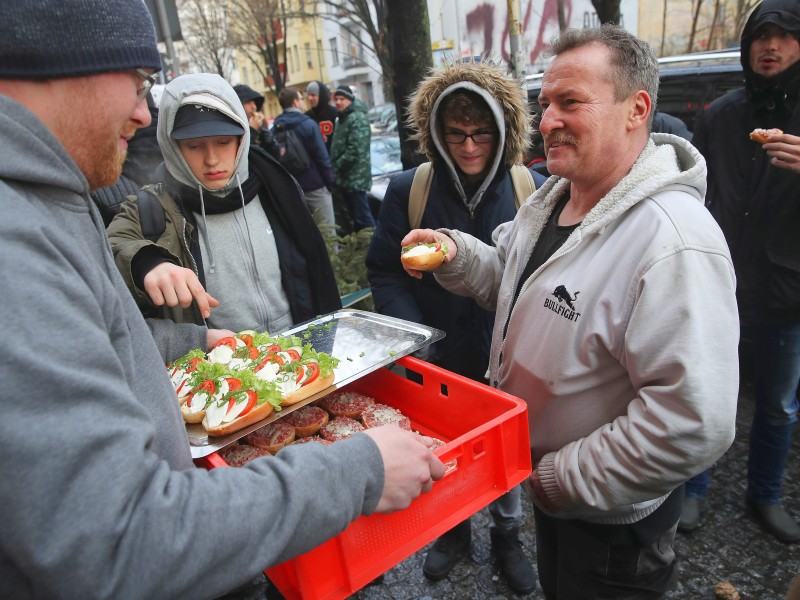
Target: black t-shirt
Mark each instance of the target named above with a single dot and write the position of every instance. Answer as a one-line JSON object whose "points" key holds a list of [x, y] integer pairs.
{"points": [[551, 239]]}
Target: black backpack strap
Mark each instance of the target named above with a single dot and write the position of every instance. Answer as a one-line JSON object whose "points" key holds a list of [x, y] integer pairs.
{"points": [[152, 219]]}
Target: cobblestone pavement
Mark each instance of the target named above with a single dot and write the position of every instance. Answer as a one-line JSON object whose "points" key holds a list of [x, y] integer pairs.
{"points": [[728, 546]]}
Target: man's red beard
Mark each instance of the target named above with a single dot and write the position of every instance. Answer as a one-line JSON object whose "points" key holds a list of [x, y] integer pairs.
{"points": [[105, 162]]}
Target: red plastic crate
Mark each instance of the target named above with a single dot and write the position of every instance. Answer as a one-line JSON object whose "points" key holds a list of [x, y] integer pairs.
{"points": [[486, 431]]}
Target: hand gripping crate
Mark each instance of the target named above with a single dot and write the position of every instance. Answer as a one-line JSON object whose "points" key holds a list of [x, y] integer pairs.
{"points": [[486, 431]]}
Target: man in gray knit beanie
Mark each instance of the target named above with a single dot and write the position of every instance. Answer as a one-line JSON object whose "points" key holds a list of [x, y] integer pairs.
{"points": [[116, 508], [95, 59]]}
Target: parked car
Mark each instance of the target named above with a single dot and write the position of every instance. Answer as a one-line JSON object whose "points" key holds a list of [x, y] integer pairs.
{"points": [[689, 82], [385, 162], [382, 118]]}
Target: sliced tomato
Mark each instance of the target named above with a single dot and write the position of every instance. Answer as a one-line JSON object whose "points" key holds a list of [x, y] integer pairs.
{"points": [[208, 385], [247, 339], [300, 374], [270, 358], [252, 398], [233, 384], [227, 341], [293, 353], [193, 362], [312, 372], [189, 399], [180, 387], [438, 247], [273, 348]]}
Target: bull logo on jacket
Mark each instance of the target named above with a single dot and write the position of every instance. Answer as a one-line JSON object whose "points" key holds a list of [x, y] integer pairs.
{"points": [[563, 296]]}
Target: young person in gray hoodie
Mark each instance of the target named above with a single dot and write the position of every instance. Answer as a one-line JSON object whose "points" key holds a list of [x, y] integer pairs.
{"points": [[235, 226], [98, 491]]}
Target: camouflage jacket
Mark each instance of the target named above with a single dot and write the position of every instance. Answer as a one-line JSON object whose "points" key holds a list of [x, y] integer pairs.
{"points": [[350, 149]]}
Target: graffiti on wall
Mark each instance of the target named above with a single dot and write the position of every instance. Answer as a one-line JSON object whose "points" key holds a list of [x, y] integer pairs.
{"points": [[539, 20]]}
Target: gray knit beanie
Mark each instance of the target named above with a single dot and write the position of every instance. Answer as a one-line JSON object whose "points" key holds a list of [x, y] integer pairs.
{"points": [[64, 38], [313, 88]]}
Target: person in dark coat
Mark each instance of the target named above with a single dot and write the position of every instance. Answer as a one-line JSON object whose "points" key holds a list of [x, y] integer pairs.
{"points": [[317, 180], [753, 193], [320, 109], [253, 102], [472, 123]]}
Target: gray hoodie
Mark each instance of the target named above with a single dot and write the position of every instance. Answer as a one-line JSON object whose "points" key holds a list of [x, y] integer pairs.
{"points": [[98, 493], [240, 257]]}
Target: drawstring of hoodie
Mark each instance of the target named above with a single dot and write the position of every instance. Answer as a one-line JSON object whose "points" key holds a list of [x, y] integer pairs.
{"points": [[247, 226], [212, 266]]}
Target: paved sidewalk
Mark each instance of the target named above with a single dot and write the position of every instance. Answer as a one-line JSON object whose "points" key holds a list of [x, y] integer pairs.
{"points": [[728, 546]]}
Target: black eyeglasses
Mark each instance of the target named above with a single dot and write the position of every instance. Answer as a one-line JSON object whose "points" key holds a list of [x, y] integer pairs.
{"points": [[479, 137], [150, 80]]}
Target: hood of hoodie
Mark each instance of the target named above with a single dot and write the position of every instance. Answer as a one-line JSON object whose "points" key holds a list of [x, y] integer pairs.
{"points": [[324, 99], [207, 90], [786, 15], [504, 95]]}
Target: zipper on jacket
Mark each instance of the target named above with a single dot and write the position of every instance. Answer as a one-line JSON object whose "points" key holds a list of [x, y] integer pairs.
{"points": [[187, 250]]}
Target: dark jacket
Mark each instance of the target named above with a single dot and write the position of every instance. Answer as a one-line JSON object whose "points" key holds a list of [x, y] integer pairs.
{"points": [[261, 138], [476, 209], [325, 115], [320, 173], [465, 348], [757, 204], [350, 149]]}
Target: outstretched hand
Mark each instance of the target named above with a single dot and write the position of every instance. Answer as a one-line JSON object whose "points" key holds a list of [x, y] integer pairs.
{"points": [[172, 285], [428, 236], [410, 467], [784, 150]]}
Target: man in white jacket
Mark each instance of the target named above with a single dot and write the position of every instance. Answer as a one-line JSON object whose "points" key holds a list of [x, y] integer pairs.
{"points": [[616, 322]]}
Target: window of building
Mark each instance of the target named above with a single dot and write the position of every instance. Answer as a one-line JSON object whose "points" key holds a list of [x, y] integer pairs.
{"points": [[321, 54], [297, 57], [334, 52], [309, 61]]}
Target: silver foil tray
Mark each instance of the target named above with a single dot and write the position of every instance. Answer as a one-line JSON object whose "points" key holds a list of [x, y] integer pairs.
{"points": [[362, 341]]}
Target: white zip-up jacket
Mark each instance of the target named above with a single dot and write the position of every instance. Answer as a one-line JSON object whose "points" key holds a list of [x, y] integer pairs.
{"points": [[623, 343]]}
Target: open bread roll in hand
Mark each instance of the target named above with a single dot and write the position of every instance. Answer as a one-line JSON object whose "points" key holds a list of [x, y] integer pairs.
{"points": [[762, 135], [424, 257]]}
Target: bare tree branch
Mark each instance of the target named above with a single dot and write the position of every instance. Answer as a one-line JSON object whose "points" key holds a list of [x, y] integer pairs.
{"points": [[207, 40], [259, 35]]}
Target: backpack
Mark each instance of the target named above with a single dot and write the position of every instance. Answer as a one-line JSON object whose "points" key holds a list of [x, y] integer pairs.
{"points": [[292, 153], [521, 178]]}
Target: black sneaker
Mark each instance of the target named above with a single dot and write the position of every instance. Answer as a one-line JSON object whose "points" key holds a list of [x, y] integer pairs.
{"points": [[446, 551]]}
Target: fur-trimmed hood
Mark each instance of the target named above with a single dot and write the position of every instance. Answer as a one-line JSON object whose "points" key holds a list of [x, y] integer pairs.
{"points": [[503, 93]]}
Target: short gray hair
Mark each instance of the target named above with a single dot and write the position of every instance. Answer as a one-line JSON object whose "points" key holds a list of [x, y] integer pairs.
{"points": [[633, 65]]}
